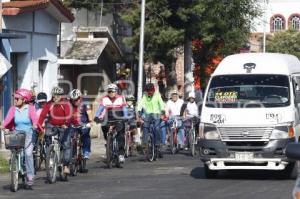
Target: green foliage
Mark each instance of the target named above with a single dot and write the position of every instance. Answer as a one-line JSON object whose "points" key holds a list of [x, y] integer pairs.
{"points": [[89, 4], [4, 166], [287, 42], [218, 23]]}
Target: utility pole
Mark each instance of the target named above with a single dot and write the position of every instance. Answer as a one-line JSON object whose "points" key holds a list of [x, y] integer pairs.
{"points": [[141, 52]]}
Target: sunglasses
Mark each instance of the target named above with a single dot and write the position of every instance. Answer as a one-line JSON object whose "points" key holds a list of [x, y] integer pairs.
{"points": [[111, 91]]}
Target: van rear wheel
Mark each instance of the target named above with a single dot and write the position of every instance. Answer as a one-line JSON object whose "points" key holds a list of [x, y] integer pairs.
{"points": [[210, 174]]}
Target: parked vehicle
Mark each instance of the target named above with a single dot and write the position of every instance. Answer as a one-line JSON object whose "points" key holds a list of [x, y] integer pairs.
{"points": [[250, 113]]}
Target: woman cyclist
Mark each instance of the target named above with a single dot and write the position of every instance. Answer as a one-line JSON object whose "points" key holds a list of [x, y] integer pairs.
{"points": [[22, 117]]}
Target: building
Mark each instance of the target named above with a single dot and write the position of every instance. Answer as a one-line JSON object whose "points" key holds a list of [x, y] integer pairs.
{"points": [[93, 54], [33, 57], [279, 15]]}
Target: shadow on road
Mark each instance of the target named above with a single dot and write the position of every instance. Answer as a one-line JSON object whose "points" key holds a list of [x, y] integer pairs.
{"points": [[198, 173]]}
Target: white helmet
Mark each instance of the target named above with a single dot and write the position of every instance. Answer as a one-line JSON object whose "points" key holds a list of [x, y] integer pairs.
{"points": [[192, 95], [112, 87], [57, 91], [75, 94]]}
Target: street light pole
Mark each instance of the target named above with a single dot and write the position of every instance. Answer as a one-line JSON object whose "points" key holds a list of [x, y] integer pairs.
{"points": [[141, 52], [265, 21]]}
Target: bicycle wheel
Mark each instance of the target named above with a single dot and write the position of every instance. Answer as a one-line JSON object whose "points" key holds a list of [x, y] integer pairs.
{"points": [[37, 157], [51, 164], [174, 142], [192, 142], [150, 148], [109, 152], [74, 164], [127, 144], [14, 172]]}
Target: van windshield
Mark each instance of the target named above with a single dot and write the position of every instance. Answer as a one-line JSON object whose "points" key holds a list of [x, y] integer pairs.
{"points": [[248, 91]]}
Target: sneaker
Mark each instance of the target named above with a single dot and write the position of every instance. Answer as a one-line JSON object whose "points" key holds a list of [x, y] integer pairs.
{"points": [[66, 170], [30, 181], [121, 159], [86, 155]]}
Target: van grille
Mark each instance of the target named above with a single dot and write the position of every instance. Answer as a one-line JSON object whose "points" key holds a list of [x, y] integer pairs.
{"points": [[245, 133]]}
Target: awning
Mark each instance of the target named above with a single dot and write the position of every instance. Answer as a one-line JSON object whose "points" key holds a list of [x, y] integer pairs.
{"points": [[84, 52], [5, 65]]}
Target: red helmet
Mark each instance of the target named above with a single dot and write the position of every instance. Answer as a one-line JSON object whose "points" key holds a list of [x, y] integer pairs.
{"points": [[24, 93]]}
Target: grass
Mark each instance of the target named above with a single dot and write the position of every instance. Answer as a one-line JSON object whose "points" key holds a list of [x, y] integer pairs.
{"points": [[4, 166]]}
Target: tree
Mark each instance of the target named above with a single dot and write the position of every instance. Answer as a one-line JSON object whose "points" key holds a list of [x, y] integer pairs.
{"points": [[222, 26], [287, 42]]}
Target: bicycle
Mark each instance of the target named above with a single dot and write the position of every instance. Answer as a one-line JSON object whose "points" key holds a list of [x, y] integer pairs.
{"points": [[55, 156], [129, 140], [78, 161], [152, 151], [112, 148], [191, 135], [176, 123], [15, 141]]}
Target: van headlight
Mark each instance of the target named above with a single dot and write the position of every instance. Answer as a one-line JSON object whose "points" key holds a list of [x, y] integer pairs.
{"points": [[282, 132], [209, 132]]}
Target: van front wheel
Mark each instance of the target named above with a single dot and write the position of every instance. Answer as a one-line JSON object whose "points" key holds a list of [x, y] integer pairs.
{"points": [[210, 174], [291, 171]]}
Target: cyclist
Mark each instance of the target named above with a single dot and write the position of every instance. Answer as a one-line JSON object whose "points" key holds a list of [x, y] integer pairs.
{"points": [[80, 117], [113, 106], [22, 117], [41, 100], [58, 113], [132, 118], [190, 112], [152, 106], [173, 108]]}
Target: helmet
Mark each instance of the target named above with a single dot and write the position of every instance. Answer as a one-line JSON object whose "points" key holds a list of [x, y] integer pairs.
{"points": [[75, 94], [192, 94], [149, 87], [24, 93], [41, 97], [112, 87], [130, 98], [57, 91]]}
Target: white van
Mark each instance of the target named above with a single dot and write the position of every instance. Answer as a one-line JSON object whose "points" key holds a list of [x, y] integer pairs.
{"points": [[250, 112]]}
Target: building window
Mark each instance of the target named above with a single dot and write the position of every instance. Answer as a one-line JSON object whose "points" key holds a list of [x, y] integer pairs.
{"points": [[295, 22], [277, 23]]}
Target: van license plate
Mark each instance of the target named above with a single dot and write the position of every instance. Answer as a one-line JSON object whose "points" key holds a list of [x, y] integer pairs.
{"points": [[243, 156]]}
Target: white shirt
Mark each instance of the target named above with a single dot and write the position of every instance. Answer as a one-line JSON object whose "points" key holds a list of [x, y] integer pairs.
{"points": [[174, 107], [192, 109]]}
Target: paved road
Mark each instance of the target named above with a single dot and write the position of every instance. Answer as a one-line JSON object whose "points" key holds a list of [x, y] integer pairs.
{"points": [[178, 176]]}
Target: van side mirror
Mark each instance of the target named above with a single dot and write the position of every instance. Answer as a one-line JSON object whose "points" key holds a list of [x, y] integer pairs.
{"points": [[293, 151]]}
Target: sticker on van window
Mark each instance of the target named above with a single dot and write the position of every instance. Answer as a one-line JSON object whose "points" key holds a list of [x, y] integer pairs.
{"points": [[217, 118], [226, 97], [274, 117]]}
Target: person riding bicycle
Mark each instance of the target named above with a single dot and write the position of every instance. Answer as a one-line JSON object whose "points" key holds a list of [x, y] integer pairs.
{"points": [[58, 114], [173, 108], [80, 117], [130, 99], [152, 106], [190, 112], [41, 100], [113, 107], [22, 117]]}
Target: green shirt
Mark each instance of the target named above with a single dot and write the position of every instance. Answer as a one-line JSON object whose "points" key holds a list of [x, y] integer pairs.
{"points": [[152, 104]]}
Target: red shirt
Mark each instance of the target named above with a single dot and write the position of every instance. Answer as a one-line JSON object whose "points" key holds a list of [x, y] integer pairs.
{"points": [[58, 113]]}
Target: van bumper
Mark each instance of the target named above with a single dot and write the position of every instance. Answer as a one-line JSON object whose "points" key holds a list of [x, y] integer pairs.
{"points": [[219, 155]]}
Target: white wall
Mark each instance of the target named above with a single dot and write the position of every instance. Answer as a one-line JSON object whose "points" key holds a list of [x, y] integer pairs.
{"points": [[283, 7], [38, 45]]}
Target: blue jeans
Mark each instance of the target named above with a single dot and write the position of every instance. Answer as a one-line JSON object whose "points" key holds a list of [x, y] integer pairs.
{"points": [[86, 140], [163, 128], [29, 155], [146, 127]]}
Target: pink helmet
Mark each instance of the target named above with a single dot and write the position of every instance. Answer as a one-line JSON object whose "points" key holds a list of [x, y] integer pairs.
{"points": [[24, 93]]}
